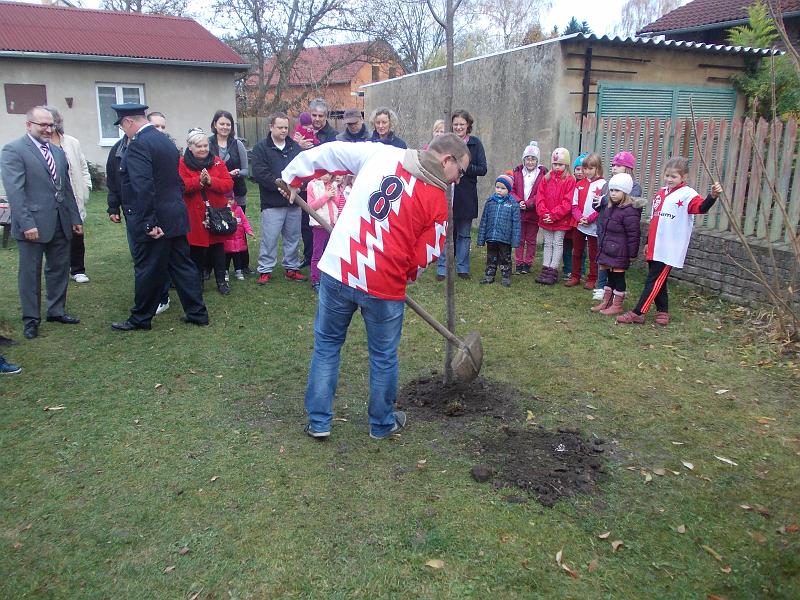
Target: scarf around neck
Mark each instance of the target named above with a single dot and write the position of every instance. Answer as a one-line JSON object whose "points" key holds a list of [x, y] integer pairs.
{"points": [[197, 165]]}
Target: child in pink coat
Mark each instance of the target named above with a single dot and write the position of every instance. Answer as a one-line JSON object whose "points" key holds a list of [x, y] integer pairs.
{"points": [[326, 197], [236, 244]]}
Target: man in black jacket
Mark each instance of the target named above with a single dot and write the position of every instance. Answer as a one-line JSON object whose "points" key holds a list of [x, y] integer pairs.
{"points": [[278, 217], [151, 192]]}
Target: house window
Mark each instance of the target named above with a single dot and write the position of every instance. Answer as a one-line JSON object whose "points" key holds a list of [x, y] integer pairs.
{"points": [[392, 72], [376, 73], [21, 96], [114, 93]]}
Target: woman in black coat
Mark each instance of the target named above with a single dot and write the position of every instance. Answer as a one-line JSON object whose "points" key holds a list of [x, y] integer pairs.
{"points": [[465, 196]]}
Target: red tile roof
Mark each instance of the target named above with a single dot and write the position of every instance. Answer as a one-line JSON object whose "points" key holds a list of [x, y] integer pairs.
{"points": [[340, 63], [58, 30], [708, 12]]}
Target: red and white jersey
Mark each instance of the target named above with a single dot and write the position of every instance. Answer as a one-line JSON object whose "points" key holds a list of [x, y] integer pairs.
{"points": [[393, 224], [671, 223]]}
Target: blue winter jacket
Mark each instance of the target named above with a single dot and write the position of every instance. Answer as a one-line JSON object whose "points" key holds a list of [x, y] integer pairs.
{"points": [[500, 221]]}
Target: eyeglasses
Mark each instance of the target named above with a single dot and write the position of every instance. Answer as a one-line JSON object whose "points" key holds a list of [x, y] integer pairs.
{"points": [[461, 172], [43, 125]]}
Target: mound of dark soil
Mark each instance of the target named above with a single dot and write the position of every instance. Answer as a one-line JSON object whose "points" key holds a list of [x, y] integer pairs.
{"points": [[429, 399], [547, 465]]}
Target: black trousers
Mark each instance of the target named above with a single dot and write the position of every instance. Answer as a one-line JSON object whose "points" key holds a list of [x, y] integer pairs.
{"points": [[616, 280], [498, 253], [154, 263], [212, 257], [655, 288], [240, 260], [77, 252]]}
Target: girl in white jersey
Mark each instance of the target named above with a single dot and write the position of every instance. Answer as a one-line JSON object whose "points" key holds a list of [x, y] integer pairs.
{"points": [[671, 224]]}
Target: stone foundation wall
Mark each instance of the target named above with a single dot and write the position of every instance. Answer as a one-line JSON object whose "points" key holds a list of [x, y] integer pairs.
{"points": [[710, 266]]}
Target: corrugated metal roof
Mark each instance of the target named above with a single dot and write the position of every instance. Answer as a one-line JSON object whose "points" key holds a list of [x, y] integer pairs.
{"points": [[655, 42], [31, 28], [661, 42], [698, 13]]}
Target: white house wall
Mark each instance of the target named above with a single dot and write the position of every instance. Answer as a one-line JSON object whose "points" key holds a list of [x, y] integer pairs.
{"points": [[188, 96]]}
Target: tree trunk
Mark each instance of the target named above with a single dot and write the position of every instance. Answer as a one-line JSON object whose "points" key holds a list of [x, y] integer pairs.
{"points": [[451, 259]]}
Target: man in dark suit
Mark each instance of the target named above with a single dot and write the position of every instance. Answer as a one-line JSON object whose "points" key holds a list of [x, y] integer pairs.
{"points": [[157, 222], [44, 215]]}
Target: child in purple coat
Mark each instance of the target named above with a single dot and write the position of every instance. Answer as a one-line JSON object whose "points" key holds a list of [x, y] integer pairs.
{"points": [[618, 242]]}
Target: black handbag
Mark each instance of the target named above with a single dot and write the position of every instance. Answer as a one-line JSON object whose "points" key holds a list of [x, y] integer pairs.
{"points": [[219, 221]]}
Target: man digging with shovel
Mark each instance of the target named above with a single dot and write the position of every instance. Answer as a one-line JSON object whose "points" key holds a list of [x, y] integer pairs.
{"points": [[391, 228]]}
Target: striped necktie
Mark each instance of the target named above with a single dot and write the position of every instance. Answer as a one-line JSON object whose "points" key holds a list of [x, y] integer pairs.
{"points": [[51, 164]]}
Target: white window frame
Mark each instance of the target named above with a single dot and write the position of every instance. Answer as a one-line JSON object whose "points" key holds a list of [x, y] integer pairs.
{"points": [[118, 89]]}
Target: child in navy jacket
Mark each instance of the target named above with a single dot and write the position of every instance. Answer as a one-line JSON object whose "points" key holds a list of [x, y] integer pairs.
{"points": [[500, 230]]}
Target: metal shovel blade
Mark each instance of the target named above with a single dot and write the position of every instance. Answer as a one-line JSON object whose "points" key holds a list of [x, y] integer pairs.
{"points": [[468, 359]]}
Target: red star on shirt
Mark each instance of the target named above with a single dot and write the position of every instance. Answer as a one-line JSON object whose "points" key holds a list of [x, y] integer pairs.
{"points": [[679, 203]]}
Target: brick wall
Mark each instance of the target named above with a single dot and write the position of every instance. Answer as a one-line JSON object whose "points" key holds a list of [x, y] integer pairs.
{"points": [[711, 266]]}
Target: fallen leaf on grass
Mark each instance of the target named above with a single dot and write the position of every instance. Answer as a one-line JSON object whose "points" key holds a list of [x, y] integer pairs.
{"points": [[505, 538], [184, 551], [214, 478], [605, 535], [763, 511], [558, 557], [435, 563], [281, 450], [764, 420], [726, 569], [726, 460], [759, 537], [711, 596], [712, 552], [17, 545], [720, 392], [616, 545], [591, 407], [530, 418], [647, 477], [51, 408], [571, 572], [195, 596], [169, 569], [746, 507], [792, 528], [340, 419], [681, 529], [421, 463], [593, 565], [660, 472], [678, 443], [688, 465], [590, 417]]}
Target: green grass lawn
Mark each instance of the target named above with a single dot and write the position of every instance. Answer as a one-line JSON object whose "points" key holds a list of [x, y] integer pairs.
{"points": [[178, 468]]}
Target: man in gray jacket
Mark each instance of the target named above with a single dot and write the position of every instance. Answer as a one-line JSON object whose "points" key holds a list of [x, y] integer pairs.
{"points": [[44, 215]]}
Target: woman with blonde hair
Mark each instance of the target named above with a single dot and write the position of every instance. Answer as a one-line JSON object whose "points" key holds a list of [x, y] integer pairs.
{"points": [[383, 122], [206, 180]]}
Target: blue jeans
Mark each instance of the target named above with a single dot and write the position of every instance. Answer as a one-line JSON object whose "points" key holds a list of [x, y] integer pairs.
{"points": [[463, 229], [384, 323]]}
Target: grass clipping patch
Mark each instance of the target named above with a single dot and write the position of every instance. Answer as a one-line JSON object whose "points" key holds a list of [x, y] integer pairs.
{"points": [[547, 465]]}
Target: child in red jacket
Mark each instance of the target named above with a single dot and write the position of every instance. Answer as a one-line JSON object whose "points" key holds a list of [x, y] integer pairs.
{"points": [[554, 207], [527, 178], [236, 245]]}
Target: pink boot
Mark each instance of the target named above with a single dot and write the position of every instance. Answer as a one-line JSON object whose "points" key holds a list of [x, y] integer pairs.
{"points": [[616, 305], [662, 318], [605, 302], [630, 318]]}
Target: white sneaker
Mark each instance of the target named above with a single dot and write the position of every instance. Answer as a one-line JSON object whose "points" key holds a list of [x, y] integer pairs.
{"points": [[239, 274], [162, 307], [80, 278], [598, 293]]}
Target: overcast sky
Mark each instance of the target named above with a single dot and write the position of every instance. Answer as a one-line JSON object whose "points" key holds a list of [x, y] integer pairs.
{"points": [[602, 15]]}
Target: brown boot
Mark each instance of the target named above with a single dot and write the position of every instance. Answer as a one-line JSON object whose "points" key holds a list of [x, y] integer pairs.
{"points": [[616, 305], [572, 282], [662, 318], [605, 302]]}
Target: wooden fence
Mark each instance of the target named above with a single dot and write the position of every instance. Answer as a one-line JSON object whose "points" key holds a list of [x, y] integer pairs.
{"points": [[746, 154]]}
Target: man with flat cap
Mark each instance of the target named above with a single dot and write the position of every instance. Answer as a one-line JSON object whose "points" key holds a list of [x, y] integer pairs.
{"points": [[44, 215], [157, 221]]}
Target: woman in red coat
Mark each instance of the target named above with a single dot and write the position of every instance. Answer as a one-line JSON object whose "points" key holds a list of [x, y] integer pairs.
{"points": [[204, 175], [554, 207]]}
